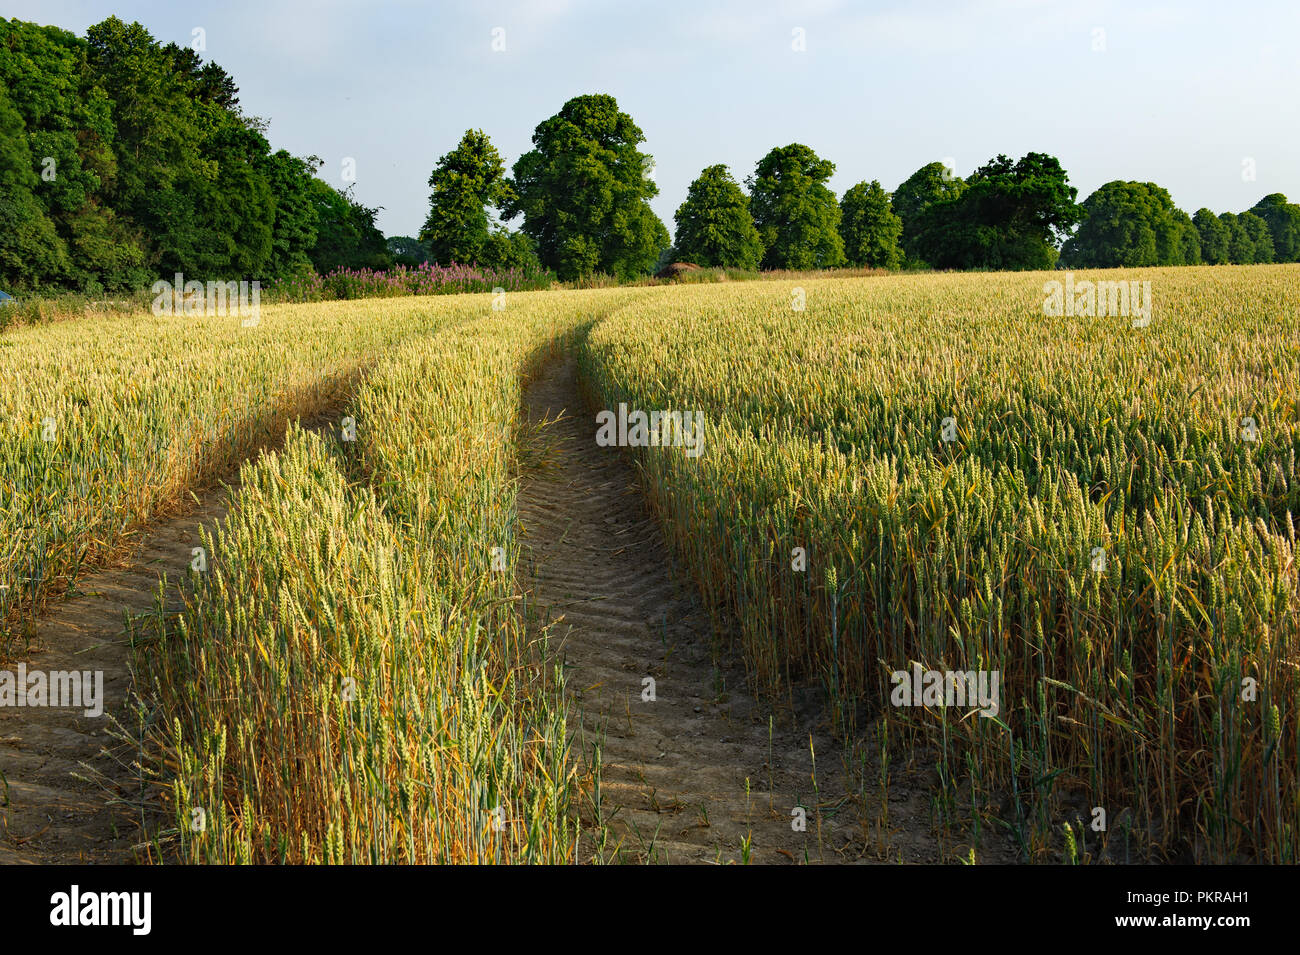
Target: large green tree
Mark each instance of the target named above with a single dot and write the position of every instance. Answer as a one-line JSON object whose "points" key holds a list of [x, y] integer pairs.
{"points": [[1243, 239], [31, 252], [1283, 220], [870, 229], [465, 182], [1131, 224], [795, 212], [583, 190], [933, 182], [511, 249], [68, 127], [1258, 236], [193, 172], [1213, 235], [144, 164], [714, 225], [293, 230], [1184, 242], [161, 182], [1011, 215], [1241, 248], [346, 234]]}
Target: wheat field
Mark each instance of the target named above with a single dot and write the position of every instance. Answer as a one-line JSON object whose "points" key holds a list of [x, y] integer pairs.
{"points": [[901, 471]]}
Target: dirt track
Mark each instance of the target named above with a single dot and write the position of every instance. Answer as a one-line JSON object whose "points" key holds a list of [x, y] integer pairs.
{"points": [[48, 814], [698, 775], [674, 771], [67, 784]]}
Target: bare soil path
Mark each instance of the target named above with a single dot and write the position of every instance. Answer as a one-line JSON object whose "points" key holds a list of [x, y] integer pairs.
{"points": [[698, 775], [65, 775], [67, 784], [692, 777]]}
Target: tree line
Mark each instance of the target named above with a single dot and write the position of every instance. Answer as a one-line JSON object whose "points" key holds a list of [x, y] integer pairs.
{"points": [[583, 193], [122, 159]]}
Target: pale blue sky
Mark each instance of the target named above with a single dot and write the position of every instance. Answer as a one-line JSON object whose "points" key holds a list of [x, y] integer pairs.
{"points": [[1181, 93]]}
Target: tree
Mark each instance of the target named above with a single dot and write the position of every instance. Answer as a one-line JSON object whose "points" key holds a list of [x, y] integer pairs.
{"points": [[147, 166], [346, 234], [1011, 215], [209, 82], [465, 182], [68, 130], [795, 213], [1131, 224], [583, 192], [1258, 236], [293, 230], [933, 182], [236, 208], [191, 168], [1241, 249], [1186, 236], [157, 132], [1283, 220], [408, 251], [1214, 237], [31, 252], [870, 229], [511, 250], [714, 226]]}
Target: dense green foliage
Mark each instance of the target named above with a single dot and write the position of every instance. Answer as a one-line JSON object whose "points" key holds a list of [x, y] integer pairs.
{"points": [[1283, 221], [1229, 239], [1132, 224], [407, 251], [796, 214], [1135, 224], [583, 192], [1256, 242], [1010, 215], [122, 159], [1213, 235], [933, 182], [346, 234], [508, 249], [869, 227], [466, 182], [714, 225]]}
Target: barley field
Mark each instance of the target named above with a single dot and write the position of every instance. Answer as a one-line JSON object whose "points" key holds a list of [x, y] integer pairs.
{"points": [[896, 471]]}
